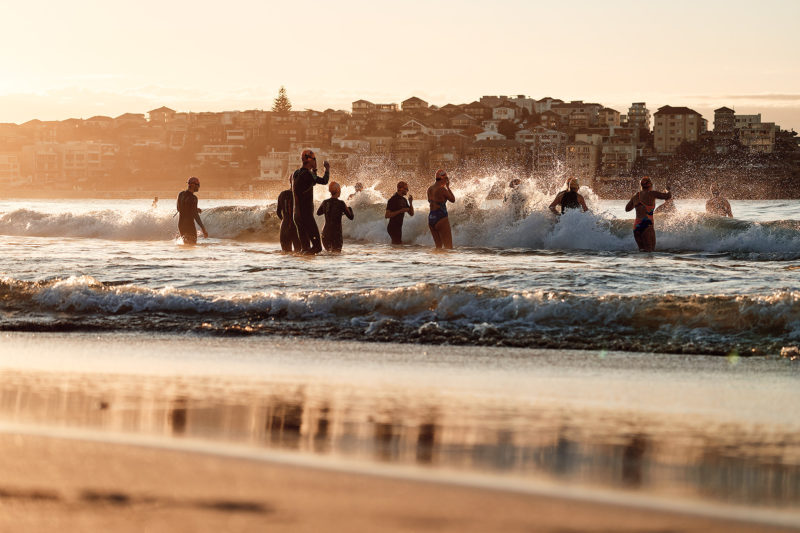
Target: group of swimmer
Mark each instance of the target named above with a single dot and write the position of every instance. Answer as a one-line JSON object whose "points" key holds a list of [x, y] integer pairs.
{"points": [[299, 232], [295, 208]]}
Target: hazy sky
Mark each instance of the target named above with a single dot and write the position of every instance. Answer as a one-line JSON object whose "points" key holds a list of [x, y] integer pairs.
{"points": [[86, 57]]}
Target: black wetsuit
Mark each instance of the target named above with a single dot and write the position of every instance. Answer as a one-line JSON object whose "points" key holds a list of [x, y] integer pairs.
{"points": [[284, 210], [395, 226], [333, 209], [187, 211], [303, 181], [569, 201]]}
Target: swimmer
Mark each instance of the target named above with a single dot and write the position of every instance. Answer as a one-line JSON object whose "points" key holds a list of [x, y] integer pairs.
{"points": [[358, 188], [438, 195], [333, 209], [189, 213], [718, 205], [284, 210], [396, 209], [303, 181], [155, 203], [644, 201], [569, 198]]}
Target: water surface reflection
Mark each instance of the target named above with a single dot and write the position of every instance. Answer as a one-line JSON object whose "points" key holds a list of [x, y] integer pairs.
{"points": [[663, 455]]}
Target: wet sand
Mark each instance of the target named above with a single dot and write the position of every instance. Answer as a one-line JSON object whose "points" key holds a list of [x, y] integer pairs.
{"points": [[135, 433], [52, 484]]}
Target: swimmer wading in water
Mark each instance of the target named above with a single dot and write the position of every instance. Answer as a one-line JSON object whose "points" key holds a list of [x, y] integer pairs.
{"points": [[644, 202]]}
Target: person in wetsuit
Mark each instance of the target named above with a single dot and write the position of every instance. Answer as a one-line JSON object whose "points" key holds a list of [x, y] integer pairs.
{"points": [[718, 205], [569, 199], [644, 202], [303, 181], [284, 210], [189, 213], [333, 209], [396, 208], [438, 195]]}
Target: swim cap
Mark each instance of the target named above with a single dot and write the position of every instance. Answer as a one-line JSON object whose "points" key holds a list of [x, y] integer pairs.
{"points": [[193, 180], [440, 174], [574, 184], [646, 181], [402, 185], [333, 186], [306, 155]]}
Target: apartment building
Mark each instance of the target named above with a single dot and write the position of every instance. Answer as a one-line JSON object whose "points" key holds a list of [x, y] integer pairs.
{"points": [[758, 138], [639, 116], [724, 122], [225, 154], [618, 157], [548, 150], [582, 159], [674, 125], [274, 167], [10, 167], [742, 121], [608, 117]]}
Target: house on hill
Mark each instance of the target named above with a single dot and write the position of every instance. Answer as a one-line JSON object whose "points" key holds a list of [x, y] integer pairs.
{"points": [[130, 119], [162, 115], [414, 104], [362, 107], [99, 121]]}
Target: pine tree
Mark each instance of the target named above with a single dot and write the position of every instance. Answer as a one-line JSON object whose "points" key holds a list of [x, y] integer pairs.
{"points": [[281, 104]]}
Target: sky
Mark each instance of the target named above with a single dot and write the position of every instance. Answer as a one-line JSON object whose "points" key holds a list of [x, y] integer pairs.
{"points": [[83, 58]]}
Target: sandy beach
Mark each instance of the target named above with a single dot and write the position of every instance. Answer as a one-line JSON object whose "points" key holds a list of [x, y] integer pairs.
{"points": [[144, 433], [78, 485]]}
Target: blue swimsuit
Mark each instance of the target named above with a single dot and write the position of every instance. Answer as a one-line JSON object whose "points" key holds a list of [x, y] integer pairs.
{"points": [[437, 214]]}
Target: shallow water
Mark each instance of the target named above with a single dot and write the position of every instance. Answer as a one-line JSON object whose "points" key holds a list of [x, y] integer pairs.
{"points": [[717, 286], [694, 428]]}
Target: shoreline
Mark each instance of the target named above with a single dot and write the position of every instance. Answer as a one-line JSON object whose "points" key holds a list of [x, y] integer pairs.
{"points": [[82, 481]]}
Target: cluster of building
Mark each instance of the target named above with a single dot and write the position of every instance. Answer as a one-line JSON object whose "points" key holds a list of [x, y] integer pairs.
{"points": [[255, 148]]}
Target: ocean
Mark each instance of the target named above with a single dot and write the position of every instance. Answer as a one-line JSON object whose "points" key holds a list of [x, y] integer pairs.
{"points": [[540, 348], [715, 286]]}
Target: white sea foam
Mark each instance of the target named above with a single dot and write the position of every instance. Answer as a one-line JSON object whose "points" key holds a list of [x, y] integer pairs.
{"points": [[480, 217], [473, 307]]}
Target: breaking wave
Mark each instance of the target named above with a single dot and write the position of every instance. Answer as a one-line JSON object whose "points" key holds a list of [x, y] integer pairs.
{"points": [[420, 313], [523, 221]]}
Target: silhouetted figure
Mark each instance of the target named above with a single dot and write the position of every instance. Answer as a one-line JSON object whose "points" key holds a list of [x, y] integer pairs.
{"points": [[303, 182], [333, 209], [155, 202], [438, 222], [189, 213], [396, 209], [718, 205], [570, 198], [284, 210], [644, 202]]}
